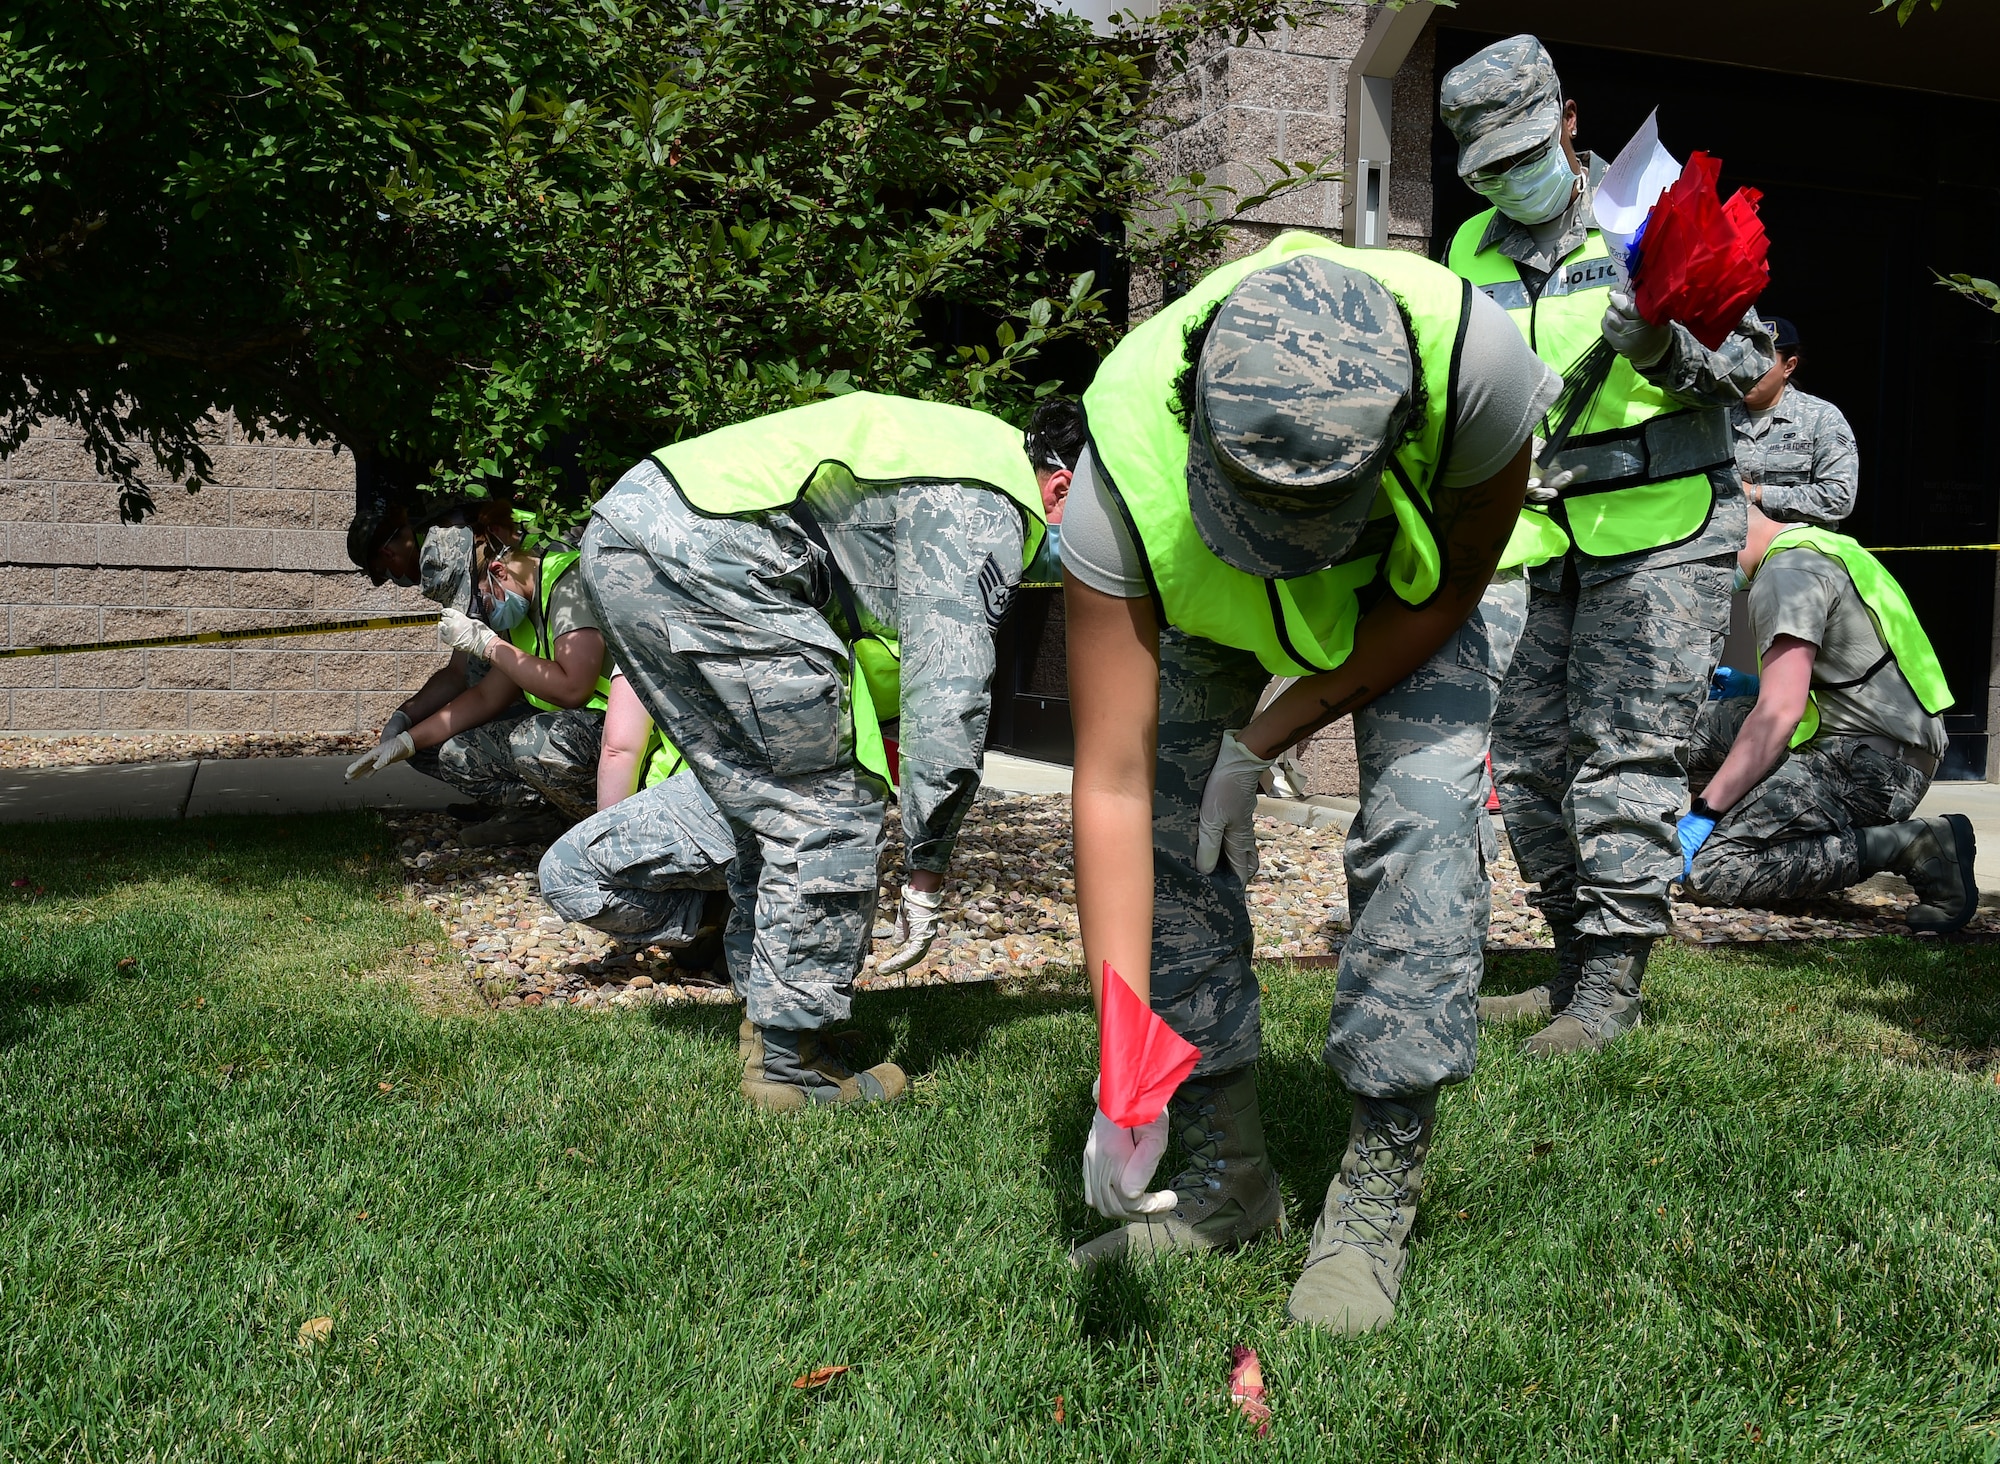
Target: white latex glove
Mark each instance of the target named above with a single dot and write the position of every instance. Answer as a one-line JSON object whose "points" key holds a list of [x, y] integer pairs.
{"points": [[1118, 1164], [390, 750], [1546, 487], [1229, 809], [461, 632], [399, 721], [1631, 334], [916, 928]]}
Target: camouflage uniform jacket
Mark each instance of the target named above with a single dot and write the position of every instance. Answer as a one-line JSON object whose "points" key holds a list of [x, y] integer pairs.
{"points": [[1801, 455], [1689, 372], [903, 548]]}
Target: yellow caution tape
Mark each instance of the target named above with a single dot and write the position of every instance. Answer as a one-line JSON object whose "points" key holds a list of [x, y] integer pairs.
{"points": [[216, 637]]}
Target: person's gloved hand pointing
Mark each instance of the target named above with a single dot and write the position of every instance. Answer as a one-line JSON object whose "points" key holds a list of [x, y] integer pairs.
{"points": [[1229, 809], [391, 750]]}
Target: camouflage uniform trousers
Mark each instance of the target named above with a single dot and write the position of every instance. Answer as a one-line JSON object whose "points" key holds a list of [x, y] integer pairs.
{"points": [[1591, 736], [523, 757], [638, 869], [1405, 1006], [715, 623], [1793, 835]]}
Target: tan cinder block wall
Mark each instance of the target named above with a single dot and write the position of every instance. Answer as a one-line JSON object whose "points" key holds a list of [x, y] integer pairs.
{"points": [[266, 545]]}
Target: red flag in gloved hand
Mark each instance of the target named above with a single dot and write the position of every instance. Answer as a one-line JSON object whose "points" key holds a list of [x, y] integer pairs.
{"points": [[1141, 1060], [1702, 262]]}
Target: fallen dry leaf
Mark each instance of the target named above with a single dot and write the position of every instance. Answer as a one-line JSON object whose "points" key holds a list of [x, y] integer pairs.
{"points": [[1059, 1412], [578, 1154], [20, 884], [385, 1087], [1246, 1387], [819, 1377], [126, 963], [1545, 1148], [314, 1332], [360, 1214]]}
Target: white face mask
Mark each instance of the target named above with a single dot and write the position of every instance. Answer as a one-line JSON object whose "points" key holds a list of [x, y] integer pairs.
{"points": [[1533, 192]]}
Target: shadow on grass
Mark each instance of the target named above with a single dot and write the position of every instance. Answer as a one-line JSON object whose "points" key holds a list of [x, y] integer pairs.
{"points": [[1510, 971], [241, 855], [918, 1029]]}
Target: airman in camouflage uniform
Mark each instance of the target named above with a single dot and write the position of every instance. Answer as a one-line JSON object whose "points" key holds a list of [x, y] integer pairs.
{"points": [[1614, 660], [1306, 382], [1794, 451], [1798, 832], [641, 869], [719, 624]]}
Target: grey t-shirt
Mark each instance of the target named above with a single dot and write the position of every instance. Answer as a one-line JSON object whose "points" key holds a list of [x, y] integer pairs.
{"points": [[1503, 390], [1806, 594], [569, 610]]}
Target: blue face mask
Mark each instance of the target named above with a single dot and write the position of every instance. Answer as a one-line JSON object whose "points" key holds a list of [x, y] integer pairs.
{"points": [[510, 612], [1742, 579], [1533, 192]]}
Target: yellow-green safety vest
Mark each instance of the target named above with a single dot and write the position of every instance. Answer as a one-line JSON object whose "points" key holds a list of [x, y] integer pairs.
{"points": [[660, 760], [1304, 624], [1629, 498], [863, 437], [532, 638], [1888, 608]]}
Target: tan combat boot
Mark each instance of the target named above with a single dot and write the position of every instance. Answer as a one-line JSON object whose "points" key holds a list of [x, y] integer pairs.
{"points": [[1354, 1270], [1547, 1000], [1605, 1004], [784, 1071], [1228, 1191]]}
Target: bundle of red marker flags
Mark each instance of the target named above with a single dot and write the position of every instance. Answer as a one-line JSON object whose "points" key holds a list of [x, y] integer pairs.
{"points": [[1141, 1060], [1700, 262], [1696, 261]]}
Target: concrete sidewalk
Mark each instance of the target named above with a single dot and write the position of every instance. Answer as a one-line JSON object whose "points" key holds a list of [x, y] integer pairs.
{"points": [[283, 785], [198, 788]]}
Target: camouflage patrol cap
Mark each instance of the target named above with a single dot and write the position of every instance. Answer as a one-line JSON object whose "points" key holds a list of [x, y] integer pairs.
{"points": [[1501, 102], [445, 567], [1302, 390]]}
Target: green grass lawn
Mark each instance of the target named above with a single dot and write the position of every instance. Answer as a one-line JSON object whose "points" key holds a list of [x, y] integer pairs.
{"points": [[1762, 1227]]}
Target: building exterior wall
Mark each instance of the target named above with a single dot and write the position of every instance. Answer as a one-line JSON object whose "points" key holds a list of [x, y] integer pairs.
{"points": [[266, 545]]}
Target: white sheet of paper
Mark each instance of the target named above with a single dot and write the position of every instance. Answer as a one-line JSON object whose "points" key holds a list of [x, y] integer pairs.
{"points": [[1641, 172]]}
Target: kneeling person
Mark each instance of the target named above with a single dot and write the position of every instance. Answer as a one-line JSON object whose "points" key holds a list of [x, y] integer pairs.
{"points": [[539, 769], [1821, 760], [649, 866]]}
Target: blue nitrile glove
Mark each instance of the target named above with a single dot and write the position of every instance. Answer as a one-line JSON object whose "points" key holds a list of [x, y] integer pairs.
{"points": [[1728, 682], [1694, 831]]}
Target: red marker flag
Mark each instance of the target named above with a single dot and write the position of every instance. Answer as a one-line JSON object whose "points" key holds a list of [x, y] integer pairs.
{"points": [[1140, 1059]]}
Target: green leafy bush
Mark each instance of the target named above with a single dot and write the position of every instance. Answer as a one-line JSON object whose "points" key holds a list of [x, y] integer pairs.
{"points": [[487, 241]]}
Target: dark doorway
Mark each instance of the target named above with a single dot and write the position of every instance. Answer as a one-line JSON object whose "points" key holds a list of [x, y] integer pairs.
{"points": [[1867, 190]]}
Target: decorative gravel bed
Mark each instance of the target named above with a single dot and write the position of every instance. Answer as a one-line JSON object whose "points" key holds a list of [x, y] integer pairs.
{"points": [[1010, 912], [145, 747]]}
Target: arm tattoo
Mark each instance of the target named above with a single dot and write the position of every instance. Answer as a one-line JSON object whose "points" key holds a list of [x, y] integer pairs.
{"points": [[1331, 712]]}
